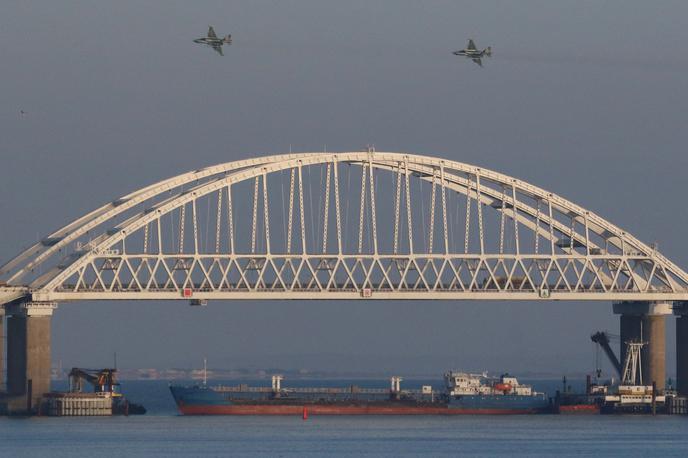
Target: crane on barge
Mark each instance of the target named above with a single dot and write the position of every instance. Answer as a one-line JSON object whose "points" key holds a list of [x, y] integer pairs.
{"points": [[103, 381], [602, 338]]}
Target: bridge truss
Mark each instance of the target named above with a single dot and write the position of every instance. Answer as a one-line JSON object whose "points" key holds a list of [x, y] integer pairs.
{"points": [[340, 226]]}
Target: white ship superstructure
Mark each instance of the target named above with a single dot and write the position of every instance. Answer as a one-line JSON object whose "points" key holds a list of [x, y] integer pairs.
{"points": [[465, 384]]}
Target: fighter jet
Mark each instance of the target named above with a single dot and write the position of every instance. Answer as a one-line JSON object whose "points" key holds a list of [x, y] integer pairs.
{"points": [[474, 53], [213, 41]]}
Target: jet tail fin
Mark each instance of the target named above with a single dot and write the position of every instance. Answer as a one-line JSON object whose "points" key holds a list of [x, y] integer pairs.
{"points": [[488, 51], [228, 39]]}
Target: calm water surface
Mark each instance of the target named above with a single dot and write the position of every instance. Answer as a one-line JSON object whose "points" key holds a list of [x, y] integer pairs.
{"points": [[164, 433]]}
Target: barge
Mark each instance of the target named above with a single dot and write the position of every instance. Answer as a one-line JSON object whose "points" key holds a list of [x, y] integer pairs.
{"points": [[105, 399]]}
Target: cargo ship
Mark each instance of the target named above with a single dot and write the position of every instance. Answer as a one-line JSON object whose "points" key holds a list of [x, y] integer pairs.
{"points": [[463, 394]]}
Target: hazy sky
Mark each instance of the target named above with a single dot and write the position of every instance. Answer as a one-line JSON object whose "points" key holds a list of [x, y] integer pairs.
{"points": [[586, 99]]}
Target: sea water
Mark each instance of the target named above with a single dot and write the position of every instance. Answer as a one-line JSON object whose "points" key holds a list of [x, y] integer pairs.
{"points": [[162, 432]]}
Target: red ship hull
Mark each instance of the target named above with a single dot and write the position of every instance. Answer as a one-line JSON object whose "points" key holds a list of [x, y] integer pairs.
{"points": [[580, 408]]}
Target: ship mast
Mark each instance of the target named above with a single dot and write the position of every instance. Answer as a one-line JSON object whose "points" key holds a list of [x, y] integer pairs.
{"points": [[633, 372]]}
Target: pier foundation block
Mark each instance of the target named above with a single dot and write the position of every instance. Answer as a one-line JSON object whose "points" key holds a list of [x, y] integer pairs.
{"points": [[646, 322]]}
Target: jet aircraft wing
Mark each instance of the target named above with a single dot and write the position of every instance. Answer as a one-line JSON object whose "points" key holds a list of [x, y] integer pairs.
{"points": [[471, 46], [218, 48], [211, 32], [477, 61]]}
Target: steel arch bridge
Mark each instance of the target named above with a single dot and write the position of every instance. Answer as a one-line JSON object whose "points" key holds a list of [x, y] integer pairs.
{"points": [[345, 225]]}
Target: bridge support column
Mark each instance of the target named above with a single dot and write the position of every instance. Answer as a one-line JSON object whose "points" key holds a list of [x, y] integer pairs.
{"points": [[646, 322], [681, 310], [28, 355], [2, 349]]}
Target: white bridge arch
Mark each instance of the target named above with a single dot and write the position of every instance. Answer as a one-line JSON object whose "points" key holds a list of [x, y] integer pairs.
{"points": [[340, 226]]}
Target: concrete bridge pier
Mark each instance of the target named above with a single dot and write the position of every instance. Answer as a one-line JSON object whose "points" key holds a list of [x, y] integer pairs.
{"points": [[646, 322], [2, 349], [681, 311], [28, 355]]}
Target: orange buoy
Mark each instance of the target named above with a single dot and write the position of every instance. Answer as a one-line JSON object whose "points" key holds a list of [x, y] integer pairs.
{"points": [[305, 413]]}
